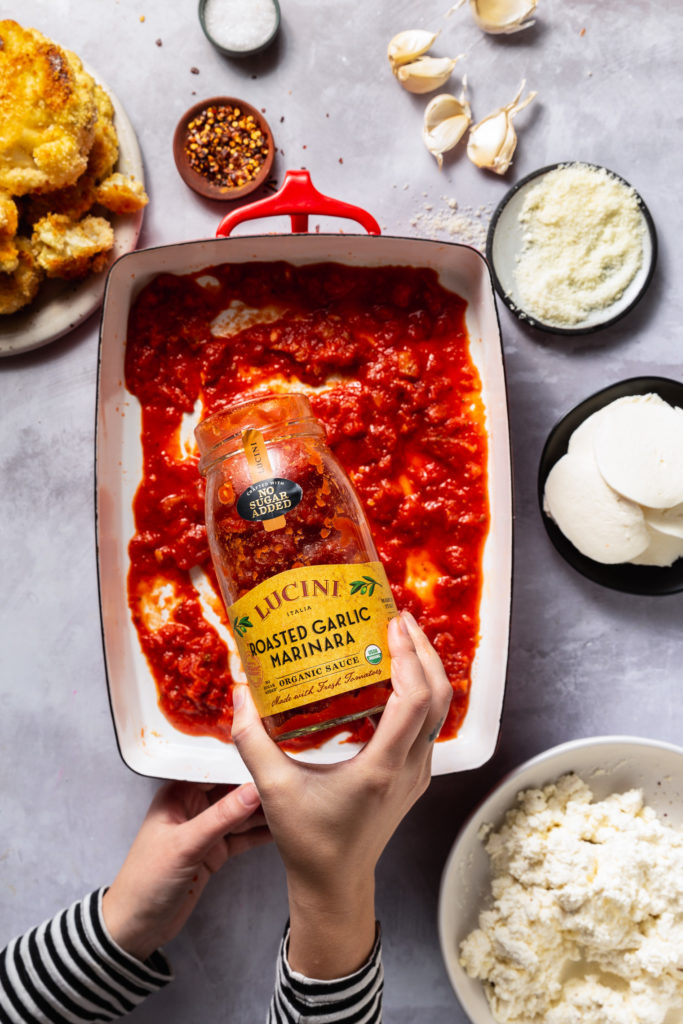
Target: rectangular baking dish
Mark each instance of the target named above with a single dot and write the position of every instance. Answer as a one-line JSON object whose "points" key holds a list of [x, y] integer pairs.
{"points": [[147, 742]]}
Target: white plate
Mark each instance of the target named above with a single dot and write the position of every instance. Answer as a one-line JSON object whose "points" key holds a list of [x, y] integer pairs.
{"points": [[505, 241], [147, 741], [62, 305], [608, 764]]}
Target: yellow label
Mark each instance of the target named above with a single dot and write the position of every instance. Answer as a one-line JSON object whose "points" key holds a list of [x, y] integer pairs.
{"points": [[311, 633], [259, 468]]}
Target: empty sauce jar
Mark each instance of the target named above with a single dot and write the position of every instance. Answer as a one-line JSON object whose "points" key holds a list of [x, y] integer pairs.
{"points": [[307, 597]]}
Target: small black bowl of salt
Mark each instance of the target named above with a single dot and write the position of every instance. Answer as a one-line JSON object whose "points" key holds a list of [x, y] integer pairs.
{"points": [[240, 28]]}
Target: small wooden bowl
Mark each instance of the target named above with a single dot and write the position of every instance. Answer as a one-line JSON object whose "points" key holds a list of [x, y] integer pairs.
{"points": [[198, 182]]}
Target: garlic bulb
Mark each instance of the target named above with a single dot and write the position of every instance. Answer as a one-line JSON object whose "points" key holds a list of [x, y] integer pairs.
{"points": [[503, 16], [408, 46], [426, 73], [492, 142], [446, 120]]}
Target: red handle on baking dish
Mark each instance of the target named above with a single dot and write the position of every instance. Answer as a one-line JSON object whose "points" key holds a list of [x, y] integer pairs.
{"points": [[299, 198]]}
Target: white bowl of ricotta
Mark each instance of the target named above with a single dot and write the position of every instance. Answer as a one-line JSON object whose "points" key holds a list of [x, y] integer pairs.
{"points": [[573, 870]]}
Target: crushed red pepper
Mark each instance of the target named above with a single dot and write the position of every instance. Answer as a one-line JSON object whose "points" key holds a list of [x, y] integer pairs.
{"points": [[226, 145]]}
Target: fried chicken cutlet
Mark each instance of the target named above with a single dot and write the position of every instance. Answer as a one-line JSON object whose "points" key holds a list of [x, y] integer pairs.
{"points": [[58, 152], [48, 111]]}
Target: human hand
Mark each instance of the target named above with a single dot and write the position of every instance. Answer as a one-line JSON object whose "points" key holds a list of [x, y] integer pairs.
{"points": [[331, 822], [189, 832]]}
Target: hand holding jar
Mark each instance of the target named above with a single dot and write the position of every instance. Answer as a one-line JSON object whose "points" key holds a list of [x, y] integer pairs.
{"points": [[331, 822], [306, 595]]}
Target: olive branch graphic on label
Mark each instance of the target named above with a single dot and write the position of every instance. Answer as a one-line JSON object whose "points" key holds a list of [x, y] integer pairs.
{"points": [[366, 585], [242, 625]]}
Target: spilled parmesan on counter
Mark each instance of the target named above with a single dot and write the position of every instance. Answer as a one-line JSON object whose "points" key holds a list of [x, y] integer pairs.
{"points": [[582, 244], [586, 923]]}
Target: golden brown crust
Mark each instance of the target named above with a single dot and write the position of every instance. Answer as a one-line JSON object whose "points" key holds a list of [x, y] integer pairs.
{"points": [[20, 287], [105, 147], [58, 150], [121, 194], [47, 112], [71, 249]]}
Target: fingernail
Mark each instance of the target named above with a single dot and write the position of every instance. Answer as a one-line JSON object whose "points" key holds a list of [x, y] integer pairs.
{"points": [[410, 619], [402, 625], [238, 696], [248, 795]]}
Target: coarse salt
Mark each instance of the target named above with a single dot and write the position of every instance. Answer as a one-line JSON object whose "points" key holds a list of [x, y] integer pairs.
{"points": [[240, 25]]}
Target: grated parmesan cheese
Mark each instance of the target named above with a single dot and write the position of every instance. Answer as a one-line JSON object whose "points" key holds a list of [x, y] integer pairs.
{"points": [[583, 244]]}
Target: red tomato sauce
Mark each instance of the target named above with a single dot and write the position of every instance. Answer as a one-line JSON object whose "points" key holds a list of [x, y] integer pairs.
{"points": [[401, 403]]}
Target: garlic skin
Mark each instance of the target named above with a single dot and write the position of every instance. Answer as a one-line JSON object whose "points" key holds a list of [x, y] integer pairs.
{"points": [[426, 73], [446, 120], [492, 141], [408, 46], [503, 16]]}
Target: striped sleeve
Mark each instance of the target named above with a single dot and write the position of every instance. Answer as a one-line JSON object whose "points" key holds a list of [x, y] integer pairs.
{"points": [[355, 999], [69, 969]]}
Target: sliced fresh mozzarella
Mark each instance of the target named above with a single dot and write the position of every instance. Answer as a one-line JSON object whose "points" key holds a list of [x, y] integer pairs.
{"points": [[662, 550], [598, 521], [639, 450], [584, 435], [666, 520]]}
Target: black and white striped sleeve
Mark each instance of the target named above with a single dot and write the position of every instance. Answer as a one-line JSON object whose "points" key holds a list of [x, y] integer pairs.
{"points": [[69, 969], [355, 999]]}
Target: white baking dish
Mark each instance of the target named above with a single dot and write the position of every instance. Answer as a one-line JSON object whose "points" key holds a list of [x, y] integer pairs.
{"points": [[147, 741]]}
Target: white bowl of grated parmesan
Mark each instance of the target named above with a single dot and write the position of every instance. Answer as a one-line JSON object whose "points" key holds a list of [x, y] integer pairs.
{"points": [[572, 248], [562, 897]]}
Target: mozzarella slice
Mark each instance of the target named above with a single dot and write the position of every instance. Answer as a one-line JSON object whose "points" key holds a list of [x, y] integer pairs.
{"points": [[639, 450], [582, 439], [666, 520], [600, 523], [663, 550]]}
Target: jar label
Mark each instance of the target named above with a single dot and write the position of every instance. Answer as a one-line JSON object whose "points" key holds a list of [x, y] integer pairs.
{"points": [[268, 499], [311, 633]]}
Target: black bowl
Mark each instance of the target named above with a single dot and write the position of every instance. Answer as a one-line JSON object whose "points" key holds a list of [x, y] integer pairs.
{"points": [[631, 579], [504, 242]]}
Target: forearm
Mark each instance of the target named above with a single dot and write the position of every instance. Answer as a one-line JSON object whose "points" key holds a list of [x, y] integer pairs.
{"points": [[298, 999], [332, 930], [69, 968]]}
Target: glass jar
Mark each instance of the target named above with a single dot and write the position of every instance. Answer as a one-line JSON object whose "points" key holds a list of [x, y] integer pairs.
{"points": [[307, 597]]}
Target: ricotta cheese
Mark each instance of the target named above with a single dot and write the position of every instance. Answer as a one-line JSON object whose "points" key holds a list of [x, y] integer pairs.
{"points": [[582, 244], [585, 924]]}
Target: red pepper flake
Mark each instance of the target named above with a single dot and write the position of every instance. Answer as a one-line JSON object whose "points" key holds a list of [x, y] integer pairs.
{"points": [[582, 32], [194, 71], [226, 145], [158, 42]]}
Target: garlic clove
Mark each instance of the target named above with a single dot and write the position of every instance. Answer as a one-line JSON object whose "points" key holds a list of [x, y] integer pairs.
{"points": [[503, 16], [408, 46], [492, 141], [426, 73], [446, 120]]}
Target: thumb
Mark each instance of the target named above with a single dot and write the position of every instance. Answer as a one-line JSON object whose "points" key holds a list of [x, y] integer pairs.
{"points": [[231, 811], [261, 755]]}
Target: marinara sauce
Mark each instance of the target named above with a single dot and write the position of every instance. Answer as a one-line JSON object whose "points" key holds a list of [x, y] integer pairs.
{"points": [[384, 357], [306, 595]]}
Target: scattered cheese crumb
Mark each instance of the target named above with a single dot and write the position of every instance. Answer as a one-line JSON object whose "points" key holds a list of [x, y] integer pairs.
{"points": [[467, 225]]}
